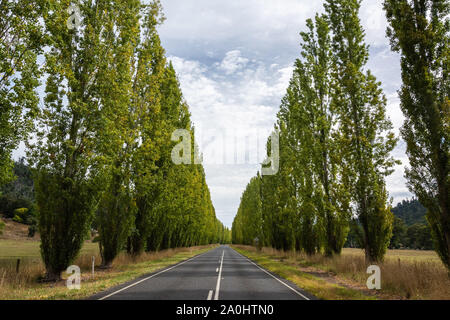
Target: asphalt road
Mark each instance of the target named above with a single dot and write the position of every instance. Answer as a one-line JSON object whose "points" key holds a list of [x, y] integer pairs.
{"points": [[219, 274]]}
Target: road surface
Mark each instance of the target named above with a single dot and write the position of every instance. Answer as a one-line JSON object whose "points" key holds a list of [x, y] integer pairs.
{"points": [[219, 274]]}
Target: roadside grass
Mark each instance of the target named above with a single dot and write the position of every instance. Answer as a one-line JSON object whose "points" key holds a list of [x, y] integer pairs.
{"points": [[316, 286], [405, 274], [25, 284]]}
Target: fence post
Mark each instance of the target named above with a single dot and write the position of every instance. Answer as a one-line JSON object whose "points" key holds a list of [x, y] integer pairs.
{"points": [[93, 266], [17, 265]]}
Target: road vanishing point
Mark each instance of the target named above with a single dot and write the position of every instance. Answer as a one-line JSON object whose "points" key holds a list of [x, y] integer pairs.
{"points": [[219, 274]]}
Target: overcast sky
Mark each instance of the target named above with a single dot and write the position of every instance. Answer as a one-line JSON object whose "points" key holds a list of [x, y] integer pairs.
{"points": [[234, 60]]}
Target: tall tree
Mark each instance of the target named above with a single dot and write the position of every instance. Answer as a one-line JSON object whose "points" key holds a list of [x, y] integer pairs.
{"points": [[419, 31], [67, 183], [310, 97], [21, 41], [148, 162], [118, 137], [366, 139]]}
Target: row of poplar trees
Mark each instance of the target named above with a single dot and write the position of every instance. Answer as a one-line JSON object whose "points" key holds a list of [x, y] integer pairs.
{"points": [[101, 141], [336, 139]]}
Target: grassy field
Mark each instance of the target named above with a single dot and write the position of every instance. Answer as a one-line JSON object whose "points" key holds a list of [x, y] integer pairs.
{"points": [[403, 255], [25, 285], [13, 249], [405, 274]]}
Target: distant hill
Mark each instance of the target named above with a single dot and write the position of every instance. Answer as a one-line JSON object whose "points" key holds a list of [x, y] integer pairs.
{"points": [[411, 212], [22, 187]]}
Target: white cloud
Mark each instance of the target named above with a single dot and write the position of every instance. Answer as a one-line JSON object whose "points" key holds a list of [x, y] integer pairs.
{"points": [[232, 62], [237, 98], [234, 59]]}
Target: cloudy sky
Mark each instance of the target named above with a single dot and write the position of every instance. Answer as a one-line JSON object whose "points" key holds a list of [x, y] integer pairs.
{"points": [[234, 60]]}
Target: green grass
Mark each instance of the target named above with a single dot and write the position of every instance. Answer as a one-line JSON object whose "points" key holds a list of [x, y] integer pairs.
{"points": [[14, 249], [314, 285]]}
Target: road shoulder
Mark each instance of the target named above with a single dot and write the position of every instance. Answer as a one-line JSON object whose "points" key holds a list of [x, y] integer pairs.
{"points": [[312, 285]]}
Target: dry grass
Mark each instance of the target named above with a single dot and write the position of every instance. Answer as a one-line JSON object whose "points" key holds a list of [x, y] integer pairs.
{"points": [[16, 231], [25, 284], [31, 267], [405, 274]]}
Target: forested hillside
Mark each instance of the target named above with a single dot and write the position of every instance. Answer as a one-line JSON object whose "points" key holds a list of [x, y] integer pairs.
{"points": [[410, 211]]}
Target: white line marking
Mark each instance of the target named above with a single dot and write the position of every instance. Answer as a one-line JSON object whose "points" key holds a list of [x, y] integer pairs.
{"points": [[210, 295], [217, 269], [301, 295], [216, 296], [136, 283]]}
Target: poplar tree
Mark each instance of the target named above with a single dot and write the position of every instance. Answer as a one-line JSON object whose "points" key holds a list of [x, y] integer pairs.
{"points": [[365, 137], [118, 136], [419, 31], [335, 141], [67, 183], [21, 41], [315, 113], [148, 161]]}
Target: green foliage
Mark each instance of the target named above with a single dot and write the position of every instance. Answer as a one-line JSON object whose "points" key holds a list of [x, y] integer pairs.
{"points": [[22, 185], [32, 231], [17, 201], [9, 203], [2, 225], [20, 215], [335, 144], [67, 166], [248, 223], [411, 212], [365, 139], [117, 139], [174, 207], [17, 219], [399, 232], [18, 193], [20, 43], [415, 235], [419, 31]]}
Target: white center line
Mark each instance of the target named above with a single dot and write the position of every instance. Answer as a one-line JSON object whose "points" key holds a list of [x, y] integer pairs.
{"points": [[216, 296], [210, 294], [217, 270], [138, 282]]}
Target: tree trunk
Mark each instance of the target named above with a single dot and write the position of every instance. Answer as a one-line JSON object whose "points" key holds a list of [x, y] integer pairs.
{"points": [[52, 276]]}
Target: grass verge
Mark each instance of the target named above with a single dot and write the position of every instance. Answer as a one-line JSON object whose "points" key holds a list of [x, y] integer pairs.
{"points": [[405, 274], [24, 286], [316, 286]]}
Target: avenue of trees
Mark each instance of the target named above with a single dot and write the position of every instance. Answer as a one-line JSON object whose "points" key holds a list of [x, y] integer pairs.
{"points": [[99, 145], [336, 139]]}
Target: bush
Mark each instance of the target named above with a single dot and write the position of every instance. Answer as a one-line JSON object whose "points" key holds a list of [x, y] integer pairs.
{"points": [[21, 215], [32, 231], [9, 204], [17, 219], [2, 225]]}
